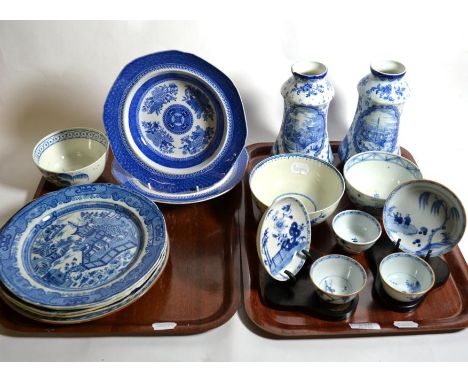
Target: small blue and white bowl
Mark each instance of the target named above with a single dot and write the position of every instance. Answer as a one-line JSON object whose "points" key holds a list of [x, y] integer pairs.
{"points": [[406, 277], [316, 183], [338, 279], [356, 231], [372, 175], [72, 157]]}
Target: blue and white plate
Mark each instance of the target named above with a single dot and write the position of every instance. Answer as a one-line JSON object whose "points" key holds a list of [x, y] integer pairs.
{"points": [[283, 233], [175, 122], [426, 216], [233, 177], [81, 246]]}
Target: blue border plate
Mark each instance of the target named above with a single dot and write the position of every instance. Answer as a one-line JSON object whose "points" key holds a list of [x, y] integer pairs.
{"points": [[233, 177], [80, 246], [145, 85]]}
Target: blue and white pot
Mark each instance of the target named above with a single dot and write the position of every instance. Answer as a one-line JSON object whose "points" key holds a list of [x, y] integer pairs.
{"points": [[307, 95], [382, 94]]}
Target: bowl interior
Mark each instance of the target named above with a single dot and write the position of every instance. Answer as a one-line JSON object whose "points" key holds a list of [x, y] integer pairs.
{"points": [[356, 227], [376, 174], [315, 183], [406, 273], [338, 275], [70, 155], [426, 216]]}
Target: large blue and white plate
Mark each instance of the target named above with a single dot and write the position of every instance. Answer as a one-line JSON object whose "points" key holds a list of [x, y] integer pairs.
{"points": [[175, 122], [232, 178], [81, 246], [425, 216]]}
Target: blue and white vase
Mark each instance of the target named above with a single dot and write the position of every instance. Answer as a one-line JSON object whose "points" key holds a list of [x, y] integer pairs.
{"points": [[307, 95], [382, 94]]}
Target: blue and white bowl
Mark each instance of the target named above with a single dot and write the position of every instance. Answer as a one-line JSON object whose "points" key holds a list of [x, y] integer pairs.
{"points": [[338, 279], [316, 183], [406, 277], [425, 216], [72, 157], [356, 231], [283, 233], [371, 176]]}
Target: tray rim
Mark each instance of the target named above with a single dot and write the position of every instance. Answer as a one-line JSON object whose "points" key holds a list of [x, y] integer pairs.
{"points": [[268, 330]]}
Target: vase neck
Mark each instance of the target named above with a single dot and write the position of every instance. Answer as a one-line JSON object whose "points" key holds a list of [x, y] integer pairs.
{"points": [[309, 70], [389, 70]]}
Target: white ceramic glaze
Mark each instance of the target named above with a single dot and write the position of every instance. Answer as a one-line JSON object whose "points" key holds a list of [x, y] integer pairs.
{"points": [[406, 277], [371, 176], [356, 231], [425, 216], [284, 231], [316, 183], [72, 156], [337, 278]]}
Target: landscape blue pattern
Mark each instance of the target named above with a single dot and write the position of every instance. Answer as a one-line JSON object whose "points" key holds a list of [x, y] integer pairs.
{"points": [[67, 179], [177, 119], [40, 258], [233, 177], [304, 130], [398, 223], [288, 237], [218, 82]]}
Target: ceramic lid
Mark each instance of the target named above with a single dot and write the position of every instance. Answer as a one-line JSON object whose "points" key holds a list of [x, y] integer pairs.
{"points": [[283, 233]]}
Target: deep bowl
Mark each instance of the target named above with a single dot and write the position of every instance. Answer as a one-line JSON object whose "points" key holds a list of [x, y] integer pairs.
{"points": [[425, 216], [316, 183], [72, 157], [406, 277], [337, 278], [372, 175], [356, 231]]}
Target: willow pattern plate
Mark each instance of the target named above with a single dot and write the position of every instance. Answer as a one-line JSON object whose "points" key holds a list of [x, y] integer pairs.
{"points": [[233, 177], [81, 246], [175, 121]]}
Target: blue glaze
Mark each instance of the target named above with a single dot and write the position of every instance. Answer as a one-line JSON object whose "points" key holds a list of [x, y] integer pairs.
{"points": [[80, 246], [201, 82]]}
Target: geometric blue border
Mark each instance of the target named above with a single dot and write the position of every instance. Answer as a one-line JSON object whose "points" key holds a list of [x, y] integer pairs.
{"points": [[221, 85], [16, 227]]}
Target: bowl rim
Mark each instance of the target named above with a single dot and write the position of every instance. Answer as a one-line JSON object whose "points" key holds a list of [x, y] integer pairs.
{"points": [[362, 213], [417, 258], [352, 186], [301, 156], [434, 183], [344, 257], [102, 134]]}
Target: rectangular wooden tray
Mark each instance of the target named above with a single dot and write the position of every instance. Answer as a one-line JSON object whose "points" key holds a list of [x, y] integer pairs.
{"points": [[199, 289], [445, 309]]}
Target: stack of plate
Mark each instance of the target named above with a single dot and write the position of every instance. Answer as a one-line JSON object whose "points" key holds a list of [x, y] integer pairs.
{"points": [[177, 128], [81, 253]]}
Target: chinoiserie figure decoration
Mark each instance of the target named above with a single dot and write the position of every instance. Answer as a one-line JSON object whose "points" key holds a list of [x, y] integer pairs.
{"points": [[307, 95], [382, 94]]}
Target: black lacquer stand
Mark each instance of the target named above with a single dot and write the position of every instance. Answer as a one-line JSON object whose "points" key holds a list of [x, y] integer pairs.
{"points": [[385, 247], [298, 293]]}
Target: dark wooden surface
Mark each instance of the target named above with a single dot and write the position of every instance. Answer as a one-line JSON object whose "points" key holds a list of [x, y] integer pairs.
{"points": [[445, 309], [199, 289]]}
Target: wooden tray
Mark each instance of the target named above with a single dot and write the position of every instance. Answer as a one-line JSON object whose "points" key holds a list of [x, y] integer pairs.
{"points": [[445, 309], [199, 289]]}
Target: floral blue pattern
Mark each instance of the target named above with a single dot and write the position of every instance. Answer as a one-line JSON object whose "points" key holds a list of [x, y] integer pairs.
{"points": [[308, 88], [197, 140], [199, 102], [160, 95], [80, 246], [159, 137]]}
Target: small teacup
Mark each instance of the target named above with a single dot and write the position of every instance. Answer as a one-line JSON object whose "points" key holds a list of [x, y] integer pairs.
{"points": [[406, 277], [72, 157], [337, 278], [356, 231]]}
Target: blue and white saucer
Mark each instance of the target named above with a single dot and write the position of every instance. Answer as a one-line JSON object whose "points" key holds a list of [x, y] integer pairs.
{"points": [[233, 177], [81, 247], [175, 122], [283, 233], [425, 216]]}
